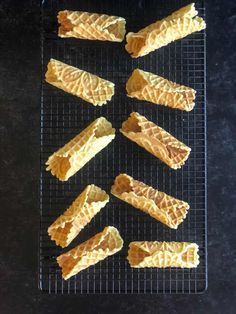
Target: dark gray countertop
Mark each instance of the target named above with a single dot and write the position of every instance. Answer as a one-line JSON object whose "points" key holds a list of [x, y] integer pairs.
{"points": [[20, 114]]}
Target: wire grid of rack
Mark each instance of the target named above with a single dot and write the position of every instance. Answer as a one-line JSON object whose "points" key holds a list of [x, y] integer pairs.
{"points": [[63, 116]]}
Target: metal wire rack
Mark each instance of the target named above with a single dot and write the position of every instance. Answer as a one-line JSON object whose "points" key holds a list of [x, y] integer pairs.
{"points": [[63, 116]]}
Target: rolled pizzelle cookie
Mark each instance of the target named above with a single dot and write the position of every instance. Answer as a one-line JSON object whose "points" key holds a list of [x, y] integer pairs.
{"points": [[165, 208], [155, 140], [65, 162], [85, 85], [176, 26], [90, 252], [93, 26], [163, 254], [158, 90], [66, 227]]}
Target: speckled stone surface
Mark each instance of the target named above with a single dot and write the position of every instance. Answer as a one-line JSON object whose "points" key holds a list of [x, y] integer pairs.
{"points": [[19, 136]]}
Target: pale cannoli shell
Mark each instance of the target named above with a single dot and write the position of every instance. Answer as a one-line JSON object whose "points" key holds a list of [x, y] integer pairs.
{"points": [[90, 252], [155, 140], [85, 85], [165, 208], [158, 90], [66, 227], [93, 26], [163, 254], [176, 26], [65, 162]]}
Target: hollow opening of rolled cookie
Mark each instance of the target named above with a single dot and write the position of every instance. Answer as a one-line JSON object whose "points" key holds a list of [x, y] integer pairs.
{"points": [[103, 129], [117, 29], [66, 24], [135, 44], [106, 243], [50, 75], [96, 195], [111, 241], [136, 254], [136, 82], [60, 166], [68, 264], [131, 125], [122, 184], [67, 228]]}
